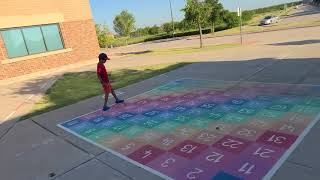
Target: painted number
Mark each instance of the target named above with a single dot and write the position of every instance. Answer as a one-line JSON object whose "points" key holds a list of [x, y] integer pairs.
{"points": [[147, 153], [167, 141], [287, 127], [128, 146], [166, 163], [189, 148], [215, 157], [247, 132], [263, 152], [206, 137], [233, 144], [247, 168], [193, 174], [277, 139]]}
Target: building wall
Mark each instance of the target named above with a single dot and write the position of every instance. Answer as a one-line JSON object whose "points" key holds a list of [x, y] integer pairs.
{"points": [[76, 25]]}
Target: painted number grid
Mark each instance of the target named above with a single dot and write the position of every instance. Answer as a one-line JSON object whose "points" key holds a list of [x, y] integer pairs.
{"points": [[198, 129]]}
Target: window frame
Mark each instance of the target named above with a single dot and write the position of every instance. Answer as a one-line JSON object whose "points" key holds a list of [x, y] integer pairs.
{"points": [[24, 39]]}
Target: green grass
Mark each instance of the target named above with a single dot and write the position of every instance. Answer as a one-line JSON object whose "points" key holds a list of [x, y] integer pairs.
{"points": [[185, 50], [192, 49], [74, 87]]}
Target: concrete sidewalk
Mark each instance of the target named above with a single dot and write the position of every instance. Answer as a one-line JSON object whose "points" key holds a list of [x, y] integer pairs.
{"points": [[38, 149]]}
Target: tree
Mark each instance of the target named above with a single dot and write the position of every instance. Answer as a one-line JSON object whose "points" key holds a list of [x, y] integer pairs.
{"points": [[197, 12], [230, 18], [215, 14], [104, 35], [124, 23], [167, 27]]}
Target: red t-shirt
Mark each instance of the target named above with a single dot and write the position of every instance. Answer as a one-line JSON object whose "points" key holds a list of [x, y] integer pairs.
{"points": [[102, 72]]}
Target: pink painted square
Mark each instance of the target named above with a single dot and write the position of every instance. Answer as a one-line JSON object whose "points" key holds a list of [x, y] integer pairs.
{"points": [[188, 149], [213, 158], [232, 144], [146, 154], [169, 164], [277, 139]]}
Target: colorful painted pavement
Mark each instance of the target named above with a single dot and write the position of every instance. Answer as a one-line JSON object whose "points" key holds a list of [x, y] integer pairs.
{"points": [[198, 129]]}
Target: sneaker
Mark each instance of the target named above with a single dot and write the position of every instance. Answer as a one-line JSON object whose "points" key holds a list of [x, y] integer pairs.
{"points": [[119, 101], [105, 108]]}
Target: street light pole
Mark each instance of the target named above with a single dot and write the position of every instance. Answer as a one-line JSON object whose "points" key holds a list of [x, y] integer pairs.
{"points": [[172, 18]]}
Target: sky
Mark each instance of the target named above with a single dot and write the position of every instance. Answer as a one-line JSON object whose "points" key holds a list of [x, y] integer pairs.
{"points": [[151, 12]]}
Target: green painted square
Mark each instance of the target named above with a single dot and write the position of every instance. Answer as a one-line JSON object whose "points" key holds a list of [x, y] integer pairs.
{"points": [[89, 132], [200, 123], [269, 114], [133, 131], [213, 116], [119, 127], [306, 109], [151, 123], [104, 133], [167, 126], [182, 119], [235, 118], [280, 107], [247, 111], [314, 102]]}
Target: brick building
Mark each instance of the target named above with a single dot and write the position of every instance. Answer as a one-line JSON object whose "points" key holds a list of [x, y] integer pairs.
{"points": [[36, 35]]}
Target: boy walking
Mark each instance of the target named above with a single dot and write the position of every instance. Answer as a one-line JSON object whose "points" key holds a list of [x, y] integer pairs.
{"points": [[104, 79]]}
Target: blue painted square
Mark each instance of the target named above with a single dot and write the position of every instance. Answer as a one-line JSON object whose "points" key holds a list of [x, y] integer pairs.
{"points": [[208, 105], [237, 102], [165, 116], [227, 108], [138, 119], [71, 123], [256, 104], [108, 123], [195, 112], [152, 113], [125, 116], [180, 109], [98, 120], [264, 98], [81, 127], [224, 176]]}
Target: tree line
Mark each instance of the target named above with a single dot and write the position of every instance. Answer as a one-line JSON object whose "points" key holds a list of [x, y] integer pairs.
{"points": [[207, 14]]}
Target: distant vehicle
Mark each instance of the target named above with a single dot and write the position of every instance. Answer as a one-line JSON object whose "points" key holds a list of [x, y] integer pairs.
{"points": [[269, 20]]}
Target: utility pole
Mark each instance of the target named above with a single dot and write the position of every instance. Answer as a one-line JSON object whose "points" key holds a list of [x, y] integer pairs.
{"points": [[240, 16], [172, 18]]}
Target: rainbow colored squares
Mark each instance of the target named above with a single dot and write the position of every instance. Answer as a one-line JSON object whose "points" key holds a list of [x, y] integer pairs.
{"points": [[208, 130]]}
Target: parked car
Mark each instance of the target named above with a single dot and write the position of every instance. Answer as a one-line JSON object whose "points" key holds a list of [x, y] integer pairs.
{"points": [[269, 20]]}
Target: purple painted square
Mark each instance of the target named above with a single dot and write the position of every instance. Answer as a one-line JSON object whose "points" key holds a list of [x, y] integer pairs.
{"points": [[277, 139], [264, 154], [125, 116], [232, 144], [188, 149], [71, 123], [146, 154], [169, 164], [196, 171], [248, 168]]}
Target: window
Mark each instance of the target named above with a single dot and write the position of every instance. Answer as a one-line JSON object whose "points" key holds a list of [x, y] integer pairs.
{"points": [[32, 40]]}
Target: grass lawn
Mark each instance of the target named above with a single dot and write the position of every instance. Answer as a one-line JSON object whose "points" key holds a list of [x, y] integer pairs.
{"points": [[185, 50], [74, 87]]}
